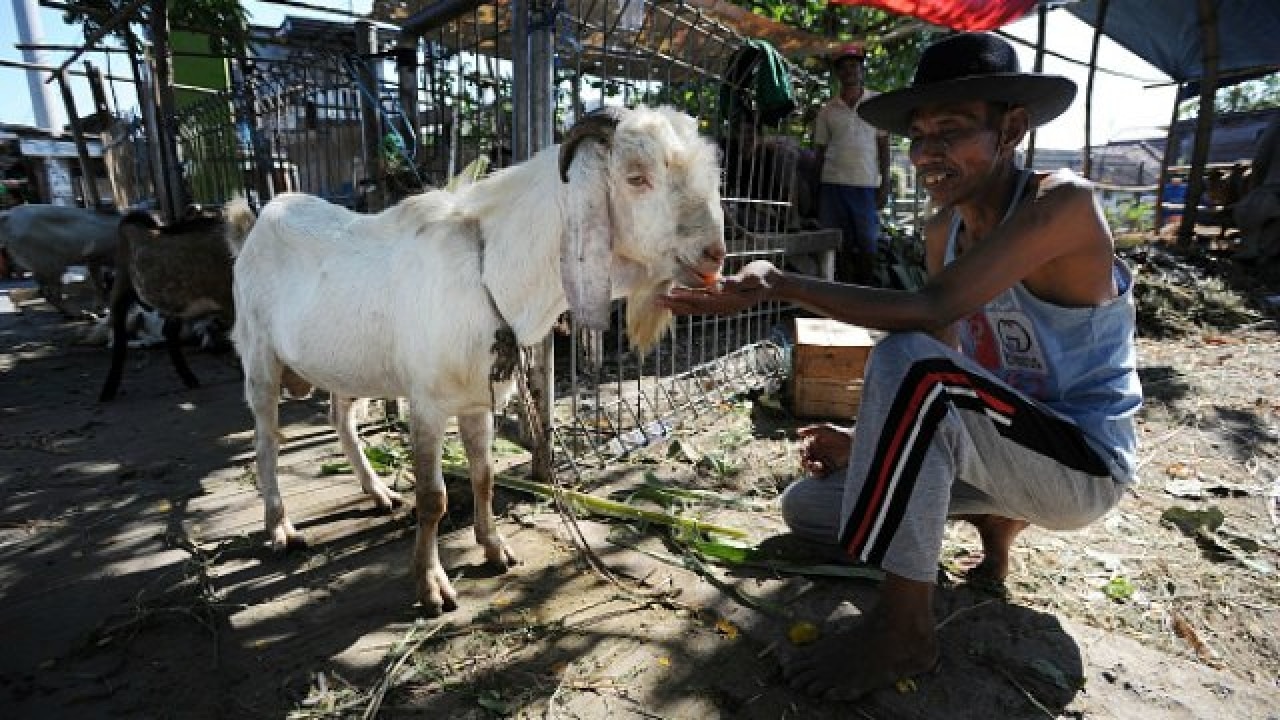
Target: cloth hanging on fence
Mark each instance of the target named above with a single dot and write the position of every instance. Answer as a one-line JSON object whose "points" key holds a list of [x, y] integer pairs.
{"points": [[757, 66]]}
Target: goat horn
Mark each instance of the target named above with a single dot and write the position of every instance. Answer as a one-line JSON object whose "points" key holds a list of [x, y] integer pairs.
{"points": [[598, 125]]}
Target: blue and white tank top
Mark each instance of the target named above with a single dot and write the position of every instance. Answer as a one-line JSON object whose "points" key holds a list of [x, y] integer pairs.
{"points": [[1079, 361]]}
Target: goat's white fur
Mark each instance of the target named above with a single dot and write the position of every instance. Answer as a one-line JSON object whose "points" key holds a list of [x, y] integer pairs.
{"points": [[45, 239], [398, 304]]}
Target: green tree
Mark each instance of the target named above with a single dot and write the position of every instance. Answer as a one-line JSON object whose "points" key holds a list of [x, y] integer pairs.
{"points": [[893, 42], [1259, 94], [225, 21]]}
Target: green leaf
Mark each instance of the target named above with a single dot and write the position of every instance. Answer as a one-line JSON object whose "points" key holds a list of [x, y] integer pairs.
{"points": [[1193, 522], [1119, 589]]}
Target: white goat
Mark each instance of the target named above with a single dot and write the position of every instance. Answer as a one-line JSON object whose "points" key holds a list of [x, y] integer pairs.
{"points": [[45, 239], [414, 301]]}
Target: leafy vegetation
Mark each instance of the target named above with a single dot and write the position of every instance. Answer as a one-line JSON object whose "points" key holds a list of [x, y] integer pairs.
{"points": [[225, 21]]}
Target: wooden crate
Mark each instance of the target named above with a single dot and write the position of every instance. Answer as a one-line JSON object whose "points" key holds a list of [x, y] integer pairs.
{"points": [[827, 364]]}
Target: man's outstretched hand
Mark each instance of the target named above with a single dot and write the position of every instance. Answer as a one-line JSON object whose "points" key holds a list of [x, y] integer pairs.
{"points": [[733, 294]]}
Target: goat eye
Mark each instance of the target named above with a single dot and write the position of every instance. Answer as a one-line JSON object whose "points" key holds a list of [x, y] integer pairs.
{"points": [[638, 181]]}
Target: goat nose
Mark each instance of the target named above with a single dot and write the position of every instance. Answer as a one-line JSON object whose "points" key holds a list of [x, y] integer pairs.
{"points": [[715, 252]]}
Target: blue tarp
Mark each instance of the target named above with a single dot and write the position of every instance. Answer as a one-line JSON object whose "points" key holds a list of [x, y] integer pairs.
{"points": [[1167, 33]]}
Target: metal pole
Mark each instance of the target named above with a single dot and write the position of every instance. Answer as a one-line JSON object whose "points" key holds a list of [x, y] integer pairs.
{"points": [[371, 120], [407, 77], [26, 17], [1087, 167], [520, 81], [1042, 26], [1208, 12], [538, 132], [258, 153]]}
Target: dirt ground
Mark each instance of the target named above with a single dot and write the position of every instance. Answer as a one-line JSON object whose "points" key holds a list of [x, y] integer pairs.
{"points": [[134, 581]]}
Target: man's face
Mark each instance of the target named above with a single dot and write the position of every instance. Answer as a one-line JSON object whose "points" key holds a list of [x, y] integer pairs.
{"points": [[849, 72], [953, 148]]}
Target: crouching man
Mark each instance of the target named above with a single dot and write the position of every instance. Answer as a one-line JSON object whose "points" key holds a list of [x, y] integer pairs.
{"points": [[1005, 392]]}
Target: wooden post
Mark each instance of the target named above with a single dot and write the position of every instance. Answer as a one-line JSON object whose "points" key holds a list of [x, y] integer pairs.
{"points": [[142, 85], [100, 106], [1087, 163], [1166, 161], [102, 111], [1208, 11], [173, 198], [82, 148]]}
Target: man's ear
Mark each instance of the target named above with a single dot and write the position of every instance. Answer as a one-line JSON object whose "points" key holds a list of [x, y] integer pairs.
{"points": [[1014, 126]]}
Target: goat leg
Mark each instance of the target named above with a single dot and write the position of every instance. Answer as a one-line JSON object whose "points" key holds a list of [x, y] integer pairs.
{"points": [[262, 391], [477, 438], [342, 416], [120, 301], [435, 592], [173, 343]]}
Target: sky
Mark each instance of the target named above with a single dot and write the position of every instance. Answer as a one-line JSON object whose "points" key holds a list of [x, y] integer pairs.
{"points": [[1123, 108]]}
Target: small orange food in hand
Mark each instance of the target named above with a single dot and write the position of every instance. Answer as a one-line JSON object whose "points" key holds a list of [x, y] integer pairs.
{"points": [[711, 281]]}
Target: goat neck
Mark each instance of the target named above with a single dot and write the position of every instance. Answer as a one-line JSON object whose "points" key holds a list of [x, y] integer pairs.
{"points": [[521, 224]]}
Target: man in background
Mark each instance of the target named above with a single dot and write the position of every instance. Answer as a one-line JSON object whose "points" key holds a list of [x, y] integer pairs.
{"points": [[854, 161]]}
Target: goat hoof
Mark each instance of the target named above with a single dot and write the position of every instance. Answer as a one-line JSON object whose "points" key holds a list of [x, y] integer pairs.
{"points": [[390, 503], [435, 608], [289, 544], [501, 558]]}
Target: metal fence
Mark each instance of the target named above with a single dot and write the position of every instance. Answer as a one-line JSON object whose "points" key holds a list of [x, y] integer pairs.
{"points": [[300, 120]]}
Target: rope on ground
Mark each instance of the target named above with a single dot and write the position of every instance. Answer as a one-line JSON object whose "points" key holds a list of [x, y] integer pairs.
{"points": [[538, 434]]}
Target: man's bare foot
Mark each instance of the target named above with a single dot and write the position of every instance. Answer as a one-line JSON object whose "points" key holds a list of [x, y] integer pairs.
{"points": [[867, 657], [998, 534], [895, 641]]}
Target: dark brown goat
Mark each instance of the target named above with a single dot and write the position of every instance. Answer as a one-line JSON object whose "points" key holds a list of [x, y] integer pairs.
{"points": [[183, 271]]}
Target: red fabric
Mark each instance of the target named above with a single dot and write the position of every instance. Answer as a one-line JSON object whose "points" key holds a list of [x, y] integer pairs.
{"points": [[972, 15]]}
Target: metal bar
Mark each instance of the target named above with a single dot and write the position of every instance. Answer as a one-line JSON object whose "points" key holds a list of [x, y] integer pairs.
{"points": [[1099, 23], [541, 120], [439, 14], [49, 68]]}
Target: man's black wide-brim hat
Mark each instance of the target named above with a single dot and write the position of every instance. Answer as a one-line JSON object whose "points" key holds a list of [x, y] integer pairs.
{"points": [[970, 66]]}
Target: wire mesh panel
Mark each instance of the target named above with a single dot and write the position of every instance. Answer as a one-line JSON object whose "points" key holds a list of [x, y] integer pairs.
{"points": [[293, 121]]}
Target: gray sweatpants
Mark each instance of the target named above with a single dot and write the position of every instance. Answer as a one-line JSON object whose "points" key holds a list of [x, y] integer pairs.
{"points": [[937, 435]]}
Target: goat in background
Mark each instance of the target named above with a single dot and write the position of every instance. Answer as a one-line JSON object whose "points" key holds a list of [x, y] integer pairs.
{"points": [[183, 271], [412, 302], [45, 239]]}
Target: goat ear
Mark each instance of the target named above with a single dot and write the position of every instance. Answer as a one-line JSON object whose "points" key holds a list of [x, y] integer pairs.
{"points": [[587, 255]]}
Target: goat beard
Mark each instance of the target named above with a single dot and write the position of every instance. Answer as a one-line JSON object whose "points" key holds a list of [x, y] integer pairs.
{"points": [[646, 321]]}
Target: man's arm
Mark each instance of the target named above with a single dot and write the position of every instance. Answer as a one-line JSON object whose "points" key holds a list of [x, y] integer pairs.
{"points": [[1063, 225]]}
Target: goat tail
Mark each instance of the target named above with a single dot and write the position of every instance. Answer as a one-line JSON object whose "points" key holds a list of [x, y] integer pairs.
{"points": [[240, 219]]}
